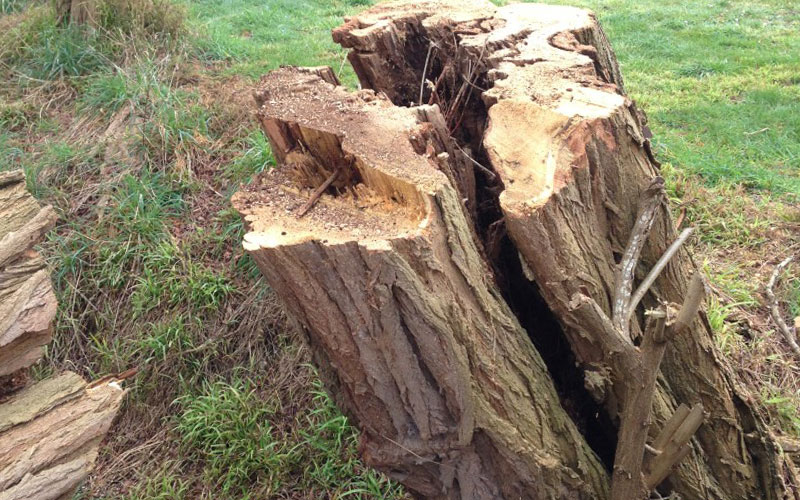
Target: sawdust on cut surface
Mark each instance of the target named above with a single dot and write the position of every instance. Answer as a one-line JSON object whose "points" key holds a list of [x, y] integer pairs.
{"points": [[393, 180]]}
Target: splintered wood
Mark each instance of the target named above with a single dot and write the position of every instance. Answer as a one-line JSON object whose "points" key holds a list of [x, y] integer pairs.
{"points": [[382, 230], [50, 431], [398, 305]]}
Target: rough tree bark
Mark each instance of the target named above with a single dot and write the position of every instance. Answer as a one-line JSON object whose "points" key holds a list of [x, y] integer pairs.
{"points": [[573, 155], [386, 280], [49, 431], [385, 272], [27, 301]]}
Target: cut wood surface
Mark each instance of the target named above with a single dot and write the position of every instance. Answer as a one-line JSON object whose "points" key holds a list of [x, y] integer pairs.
{"points": [[573, 154], [385, 277], [472, 268], [50, 431]]}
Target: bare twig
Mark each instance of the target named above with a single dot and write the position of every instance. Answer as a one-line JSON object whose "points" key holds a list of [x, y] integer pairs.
{"points": [[774, 309], [492, 176], [651, 200], [656, 271], [691, 304], [425, 72], [681, 218], [318, 192]]}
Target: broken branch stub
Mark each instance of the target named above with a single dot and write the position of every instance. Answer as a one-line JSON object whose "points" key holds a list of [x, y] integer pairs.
{"points": [[386, 280], [537, 96]]}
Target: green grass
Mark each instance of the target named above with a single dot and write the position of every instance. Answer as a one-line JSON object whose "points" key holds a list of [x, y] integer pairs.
{"points": [[257, 37], [146, 259], [718, 80], [226, 426]]}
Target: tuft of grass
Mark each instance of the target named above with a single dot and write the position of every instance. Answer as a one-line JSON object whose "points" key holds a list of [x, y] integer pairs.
{"points": [[227, 427], [256, 158], [139, 19], [246, 453], [786, 409], [11, 6], [166, 485], [719, 318]]}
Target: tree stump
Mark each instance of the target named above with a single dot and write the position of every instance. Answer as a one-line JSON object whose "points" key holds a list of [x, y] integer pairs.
{"points": [[385, 277], [545, 169], [50, 431]]}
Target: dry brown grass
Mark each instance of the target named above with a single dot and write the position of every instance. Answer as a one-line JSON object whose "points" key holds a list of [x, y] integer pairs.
{"points": [[743, 236]]}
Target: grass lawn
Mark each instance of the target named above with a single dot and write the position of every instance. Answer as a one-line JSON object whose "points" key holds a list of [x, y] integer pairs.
{"points": [[139, 132]]}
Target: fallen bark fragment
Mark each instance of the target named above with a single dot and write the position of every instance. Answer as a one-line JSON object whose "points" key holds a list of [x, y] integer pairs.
{"points": [[27, 301], [50, 431], [385, 277]]}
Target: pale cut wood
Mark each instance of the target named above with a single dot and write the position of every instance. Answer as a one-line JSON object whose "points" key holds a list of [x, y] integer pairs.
{"points": [[549, 110], [50, 433], [385, 278], [27, 301]]}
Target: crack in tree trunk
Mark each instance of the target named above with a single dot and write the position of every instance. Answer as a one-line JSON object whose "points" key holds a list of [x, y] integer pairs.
{"points": [[531, 131]]}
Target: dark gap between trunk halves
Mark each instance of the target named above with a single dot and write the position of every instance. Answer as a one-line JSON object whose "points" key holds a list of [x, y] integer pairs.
{"points": [[467, 125]]}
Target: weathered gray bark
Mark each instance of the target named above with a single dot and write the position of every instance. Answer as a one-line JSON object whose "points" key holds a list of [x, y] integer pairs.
{"points": [[387, 281], [49, 431], [27, 302]]}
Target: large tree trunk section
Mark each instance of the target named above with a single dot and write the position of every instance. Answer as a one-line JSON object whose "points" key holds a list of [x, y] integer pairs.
{"points": [[27, 301], [50, 431], [385, 277], [535, 92]]}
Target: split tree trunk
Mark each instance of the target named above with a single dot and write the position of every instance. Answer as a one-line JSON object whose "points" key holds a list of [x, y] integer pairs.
{"points": [[573, 155], [50, 431], [387, 281], [388, 272]]}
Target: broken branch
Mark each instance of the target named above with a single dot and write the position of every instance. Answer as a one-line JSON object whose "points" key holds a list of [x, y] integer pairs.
{"points": [[317, 193], [673, 444], [691, 304], [656, 271], [774, 308], [652, 199]]}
